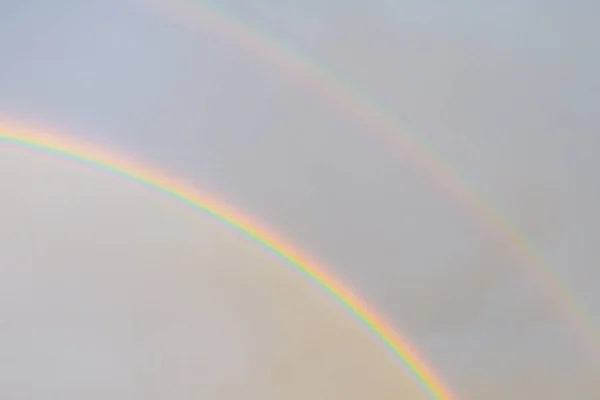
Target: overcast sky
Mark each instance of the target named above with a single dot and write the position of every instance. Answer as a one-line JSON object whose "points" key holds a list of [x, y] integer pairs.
{"points": [[505, 92]]}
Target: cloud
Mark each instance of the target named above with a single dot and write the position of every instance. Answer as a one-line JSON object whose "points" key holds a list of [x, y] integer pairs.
{"points": [[111, 289]]}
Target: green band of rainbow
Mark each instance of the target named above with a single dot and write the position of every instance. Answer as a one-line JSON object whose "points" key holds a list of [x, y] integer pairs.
{"points": [[111, 162]]}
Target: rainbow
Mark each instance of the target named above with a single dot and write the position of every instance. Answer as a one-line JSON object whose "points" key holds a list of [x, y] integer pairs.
{"points": [[338, 93], [116, 164]]}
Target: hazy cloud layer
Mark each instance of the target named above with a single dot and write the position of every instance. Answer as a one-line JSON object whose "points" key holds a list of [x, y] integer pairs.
{"points": [[505, 93], [109, 289]]}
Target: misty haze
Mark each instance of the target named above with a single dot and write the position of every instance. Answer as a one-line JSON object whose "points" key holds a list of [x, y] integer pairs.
{"points": [[110, 289]]}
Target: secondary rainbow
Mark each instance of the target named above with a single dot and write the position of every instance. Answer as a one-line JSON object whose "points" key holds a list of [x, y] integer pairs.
{"points": [[383, 124], [115, 163]]}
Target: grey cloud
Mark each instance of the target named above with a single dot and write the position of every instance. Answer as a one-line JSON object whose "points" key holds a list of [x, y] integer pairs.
{"points": [[130, 294]]}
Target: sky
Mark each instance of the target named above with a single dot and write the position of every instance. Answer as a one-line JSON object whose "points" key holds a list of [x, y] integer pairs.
{"points": [[505, 92]]}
